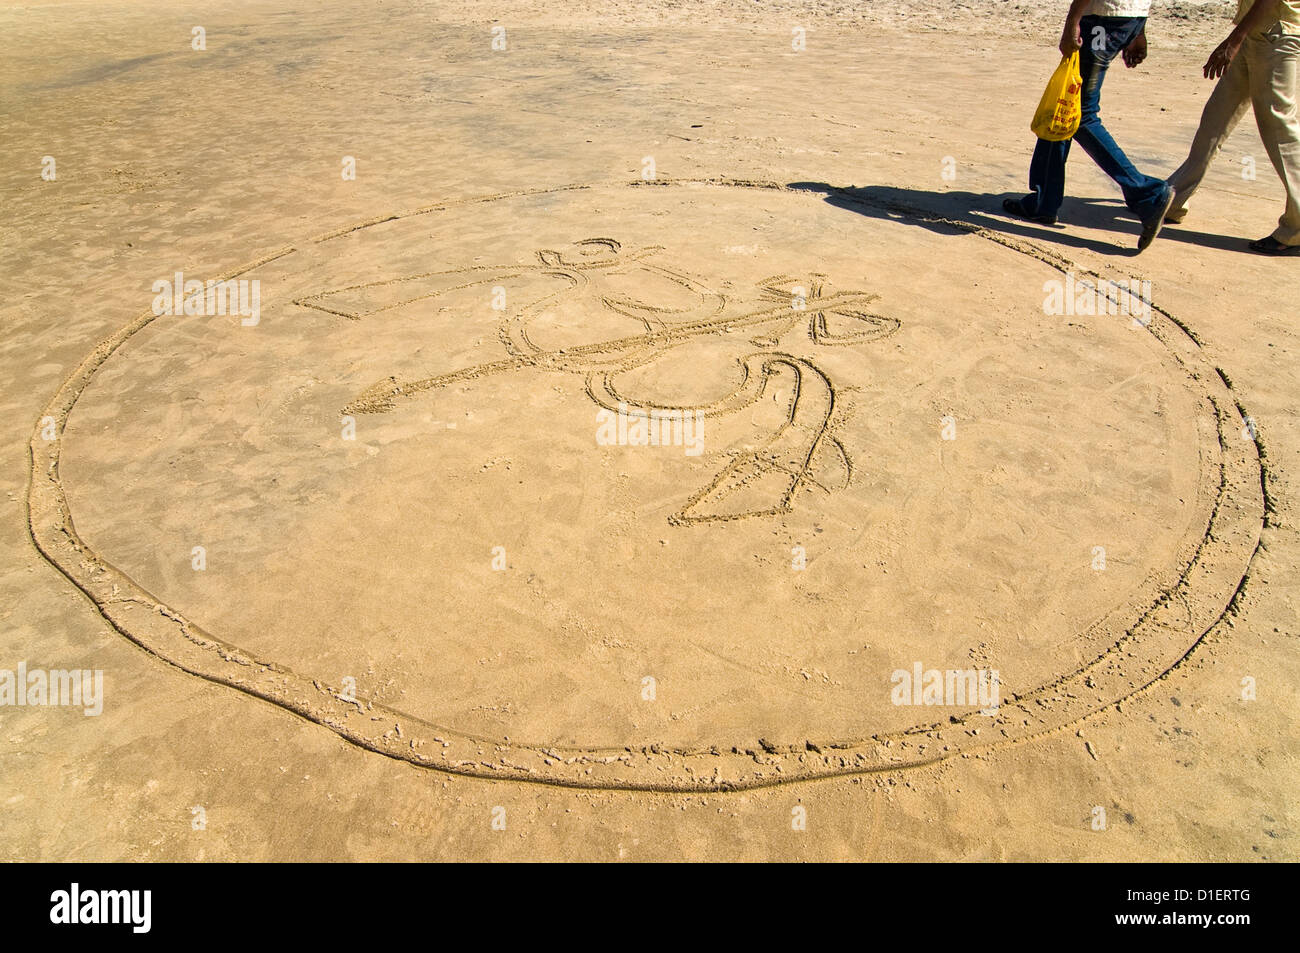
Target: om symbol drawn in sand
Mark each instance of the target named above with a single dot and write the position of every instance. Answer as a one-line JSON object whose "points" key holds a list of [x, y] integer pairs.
{"points": [[614, 287]]}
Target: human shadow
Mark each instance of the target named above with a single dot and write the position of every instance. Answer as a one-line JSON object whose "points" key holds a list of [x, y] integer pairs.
{"points": [[941, 212]]}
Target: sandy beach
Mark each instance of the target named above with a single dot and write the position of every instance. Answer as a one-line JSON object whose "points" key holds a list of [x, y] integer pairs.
{"points": [[580, 431]]}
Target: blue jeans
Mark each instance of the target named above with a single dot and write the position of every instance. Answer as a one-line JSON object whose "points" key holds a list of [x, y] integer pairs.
{"points": [[1142, 193]]}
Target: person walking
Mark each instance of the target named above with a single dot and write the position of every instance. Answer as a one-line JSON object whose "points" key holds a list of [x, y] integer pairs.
{"points": [[1099, 30], [1255, 66]]}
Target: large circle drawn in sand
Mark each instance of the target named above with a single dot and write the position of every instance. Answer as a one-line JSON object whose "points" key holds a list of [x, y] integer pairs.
{"points": [[427, 522]]}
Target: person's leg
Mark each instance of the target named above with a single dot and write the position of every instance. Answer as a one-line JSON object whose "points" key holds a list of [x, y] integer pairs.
{"points": [[1224, 109], [1047, 178], [1047, 168], [1143, 194], [1273, 59]]}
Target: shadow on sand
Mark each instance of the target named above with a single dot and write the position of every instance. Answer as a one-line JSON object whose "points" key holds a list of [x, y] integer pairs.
{"points": [[880, 201]]}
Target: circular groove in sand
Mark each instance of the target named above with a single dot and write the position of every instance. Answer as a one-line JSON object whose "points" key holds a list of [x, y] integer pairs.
{"points": [[1153, 645]]}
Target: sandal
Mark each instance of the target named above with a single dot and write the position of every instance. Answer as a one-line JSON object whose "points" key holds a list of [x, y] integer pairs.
{"points": [[1271, 246]]}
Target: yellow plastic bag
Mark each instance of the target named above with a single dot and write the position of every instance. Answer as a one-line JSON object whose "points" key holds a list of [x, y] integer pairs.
{"points": [[1059, 110]]}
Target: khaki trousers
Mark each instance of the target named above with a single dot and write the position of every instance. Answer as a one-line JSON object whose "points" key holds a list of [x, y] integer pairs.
{"points": [[1262, 75]]}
